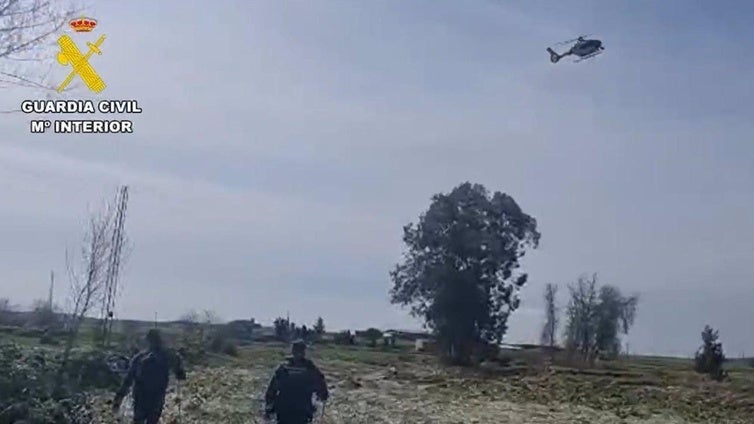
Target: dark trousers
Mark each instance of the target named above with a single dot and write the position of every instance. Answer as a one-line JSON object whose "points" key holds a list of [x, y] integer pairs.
{"points": [[149, 412], [149, 418], [294, 419]]}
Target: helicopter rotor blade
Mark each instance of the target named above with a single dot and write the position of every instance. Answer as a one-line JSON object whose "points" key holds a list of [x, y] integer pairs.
{"points": [[573, 40], [566, 42]]}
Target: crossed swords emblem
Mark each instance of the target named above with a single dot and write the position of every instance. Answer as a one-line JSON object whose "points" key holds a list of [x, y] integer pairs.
{"points": [[70, 54]]}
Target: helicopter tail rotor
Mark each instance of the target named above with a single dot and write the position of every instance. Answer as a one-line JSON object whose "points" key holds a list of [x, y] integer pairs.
{"points": [[554, 57]]}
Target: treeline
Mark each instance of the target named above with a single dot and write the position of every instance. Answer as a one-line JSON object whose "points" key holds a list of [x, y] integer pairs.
{"points": [[596, 318], [287, 331], [460, 274]]}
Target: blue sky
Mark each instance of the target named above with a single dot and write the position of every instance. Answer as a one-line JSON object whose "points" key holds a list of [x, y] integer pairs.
{"points": [[283, 145]]}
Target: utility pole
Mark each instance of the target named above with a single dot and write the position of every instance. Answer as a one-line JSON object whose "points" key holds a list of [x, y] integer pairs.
{"points": [[113, 266], [52, 287]]}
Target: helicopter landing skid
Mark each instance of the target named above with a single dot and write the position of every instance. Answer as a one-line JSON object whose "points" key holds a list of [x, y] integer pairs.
{"points": [[589, 56]]}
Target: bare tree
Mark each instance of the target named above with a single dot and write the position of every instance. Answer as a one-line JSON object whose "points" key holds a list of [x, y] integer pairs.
{"points": [[205, 319], [190, 318], [211, 317], [581, 328], [597, 317], [27, 29], [198, 332], [549, 331], [87, 281]]}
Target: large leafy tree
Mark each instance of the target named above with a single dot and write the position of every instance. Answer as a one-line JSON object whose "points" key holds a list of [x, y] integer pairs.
{"points": [[616, 315], [459, 272]]}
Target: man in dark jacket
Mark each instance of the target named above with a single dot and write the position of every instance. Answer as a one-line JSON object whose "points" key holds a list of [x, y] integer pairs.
{"points": [[289, 395], [149, 373]]}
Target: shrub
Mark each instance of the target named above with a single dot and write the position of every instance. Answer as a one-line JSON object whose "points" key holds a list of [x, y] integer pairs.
{"points": [[29, 389], [216, 344], [230, 349], [221, 342]]}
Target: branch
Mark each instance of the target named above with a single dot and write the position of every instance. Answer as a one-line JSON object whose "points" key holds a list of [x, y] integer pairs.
{"points": [[22, 81], [7, 6], [24, 27]]}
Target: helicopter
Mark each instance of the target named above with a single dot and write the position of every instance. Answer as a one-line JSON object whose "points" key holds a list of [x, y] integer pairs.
{"points": [[583, 48]]}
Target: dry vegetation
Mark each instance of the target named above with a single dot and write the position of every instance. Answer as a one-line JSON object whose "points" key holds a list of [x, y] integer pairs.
{"points": [[370, 386]]}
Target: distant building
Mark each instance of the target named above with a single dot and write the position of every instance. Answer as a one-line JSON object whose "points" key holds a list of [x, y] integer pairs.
{"points": [[409, 335]]}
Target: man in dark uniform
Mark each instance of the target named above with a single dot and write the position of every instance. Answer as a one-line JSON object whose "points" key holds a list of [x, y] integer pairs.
{"points": [[149, 373], [289, 395]]}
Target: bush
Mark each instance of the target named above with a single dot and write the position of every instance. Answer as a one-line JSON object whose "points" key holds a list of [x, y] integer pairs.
{"points": [[29, 389], [193, 347], [230, 349], [222, 343], [91, 370]]}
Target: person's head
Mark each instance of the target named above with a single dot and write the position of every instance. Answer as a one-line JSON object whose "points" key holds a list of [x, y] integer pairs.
{"points": [[154, 339], [298, 349]]}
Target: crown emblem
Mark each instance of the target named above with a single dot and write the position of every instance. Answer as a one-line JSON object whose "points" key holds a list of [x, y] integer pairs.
{"points": [[83, 24]]}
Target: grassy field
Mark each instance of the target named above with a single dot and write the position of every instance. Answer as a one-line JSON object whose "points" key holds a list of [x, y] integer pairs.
{"points": [[372, 386]]}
